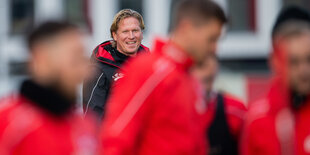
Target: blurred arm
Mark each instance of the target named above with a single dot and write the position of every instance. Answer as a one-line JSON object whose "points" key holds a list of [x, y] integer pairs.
{"points": [[95, 92]]}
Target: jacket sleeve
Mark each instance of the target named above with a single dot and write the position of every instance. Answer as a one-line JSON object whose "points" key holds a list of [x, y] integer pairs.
{"points": [[95, 92]]}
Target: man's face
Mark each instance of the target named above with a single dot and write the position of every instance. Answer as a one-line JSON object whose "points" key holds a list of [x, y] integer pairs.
{"points": [[62, 62], [206, 72], [203, 39], [129, 35], [298, 56]]}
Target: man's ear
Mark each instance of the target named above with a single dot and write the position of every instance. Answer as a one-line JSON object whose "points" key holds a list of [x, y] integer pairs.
{"points": [[114, 36], [277, 65], [279, 57], [273, 62]]}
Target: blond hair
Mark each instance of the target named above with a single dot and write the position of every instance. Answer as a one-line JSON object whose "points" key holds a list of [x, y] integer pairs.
{"points": [[125, 13]]}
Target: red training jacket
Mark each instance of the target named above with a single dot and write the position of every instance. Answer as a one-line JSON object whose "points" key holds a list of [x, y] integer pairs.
{"points": [[28, 130], [274, 128], [156, 108]]}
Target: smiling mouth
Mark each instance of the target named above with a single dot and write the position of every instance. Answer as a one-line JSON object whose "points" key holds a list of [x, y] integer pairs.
{"points": [[131, 42]]}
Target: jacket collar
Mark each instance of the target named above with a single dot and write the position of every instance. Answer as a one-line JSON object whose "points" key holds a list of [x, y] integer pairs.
{"points": [[281, 96], [47, 99], [108, 54], [175, 53], [118, 57]]}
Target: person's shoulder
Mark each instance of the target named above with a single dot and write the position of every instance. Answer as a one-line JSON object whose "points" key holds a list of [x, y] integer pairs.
{"points": [[259, 112], [141, 62], [233, 101], [18, 115], [12, 104], [234, 107], [144, 49], [105, 43], [7, 103], [259, 123], [102, 52], [147, 67]]}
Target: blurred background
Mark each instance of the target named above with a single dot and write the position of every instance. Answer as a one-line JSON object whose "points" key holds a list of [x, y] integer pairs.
{"points": [[243, 50]]}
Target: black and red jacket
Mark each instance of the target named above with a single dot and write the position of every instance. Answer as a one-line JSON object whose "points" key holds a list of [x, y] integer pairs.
{"points": [[106, 60]]}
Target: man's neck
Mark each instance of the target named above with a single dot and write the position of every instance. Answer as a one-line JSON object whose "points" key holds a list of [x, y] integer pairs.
{"points": [[180, 42], [127, 54], [49, 84]]}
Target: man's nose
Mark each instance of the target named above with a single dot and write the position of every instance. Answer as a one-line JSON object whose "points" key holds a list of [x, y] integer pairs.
{"points": [[131, 35]]}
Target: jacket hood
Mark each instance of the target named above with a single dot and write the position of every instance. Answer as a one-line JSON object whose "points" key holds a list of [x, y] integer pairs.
{"points": [[46, 98], [108, 54]]}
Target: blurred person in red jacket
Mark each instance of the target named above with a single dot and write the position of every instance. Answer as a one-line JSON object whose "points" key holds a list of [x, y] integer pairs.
{"points": [[161, 111], [41, 118], [225, 113], [279, 122]]}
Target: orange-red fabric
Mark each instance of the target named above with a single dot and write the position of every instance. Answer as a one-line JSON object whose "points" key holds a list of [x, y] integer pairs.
{"points": [[272, 127], [27, 130], [156, 108]]}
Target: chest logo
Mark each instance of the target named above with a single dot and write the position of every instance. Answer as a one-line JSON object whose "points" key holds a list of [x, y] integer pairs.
{"points": [[117, 76]]}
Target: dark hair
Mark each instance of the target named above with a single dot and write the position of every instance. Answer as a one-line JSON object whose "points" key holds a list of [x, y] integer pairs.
{"points": [[289, 14], [197, 10], [48, 30]]}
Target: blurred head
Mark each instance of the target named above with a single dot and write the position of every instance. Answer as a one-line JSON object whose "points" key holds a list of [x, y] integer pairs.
{"points": [[58, 58], [206, 72], [291, 57], [197, 26], [126, 31]]}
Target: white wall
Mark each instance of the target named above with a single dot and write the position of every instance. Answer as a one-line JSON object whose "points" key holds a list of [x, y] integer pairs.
{"points": [[156, 14], [236, 45]]}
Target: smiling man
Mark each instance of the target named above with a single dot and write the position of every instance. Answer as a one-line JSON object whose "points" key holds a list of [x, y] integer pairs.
{"points": [[127, 34]]}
